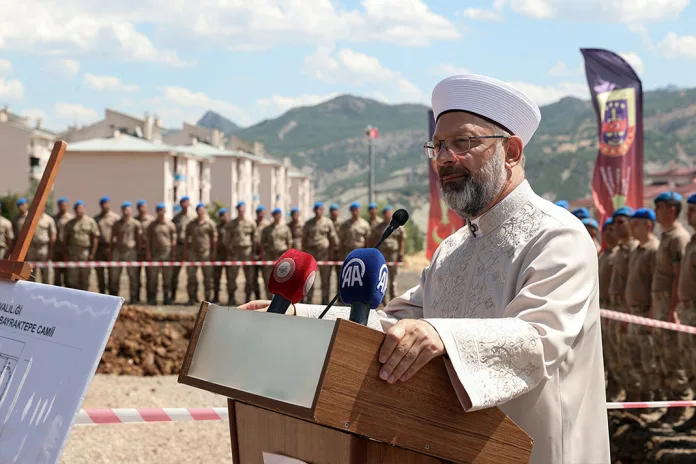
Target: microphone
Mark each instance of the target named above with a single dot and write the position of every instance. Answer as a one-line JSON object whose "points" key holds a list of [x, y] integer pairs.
{"points": [[399, 218], [292, 277], [363, 282]]}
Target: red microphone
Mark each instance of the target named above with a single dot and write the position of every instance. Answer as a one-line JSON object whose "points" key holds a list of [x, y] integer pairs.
{"points": [[292, 277]]}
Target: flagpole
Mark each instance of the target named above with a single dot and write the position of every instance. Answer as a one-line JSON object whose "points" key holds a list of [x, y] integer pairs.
{"points": [[370, 132]]}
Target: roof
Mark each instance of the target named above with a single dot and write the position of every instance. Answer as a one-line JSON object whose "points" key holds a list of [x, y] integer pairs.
{"points": [[198, 149], [297, 174], [120, 144], [241, 154]]}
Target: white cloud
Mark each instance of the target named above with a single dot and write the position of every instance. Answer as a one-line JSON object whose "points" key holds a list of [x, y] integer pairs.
{"points": [[276, 104], [354, 68], [480, 14], [5, 66], [11, 89], [634, 60], [109, 83], [73, 112], [34, 113], [620, 11], [643, 33], [560, 69], [66, 67], [676, 46], [448, 69], [545, 94]]}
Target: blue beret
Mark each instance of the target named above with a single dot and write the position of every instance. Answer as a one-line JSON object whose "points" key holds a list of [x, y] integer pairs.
{"points": [[241, 203], [104, 200], [141, 203], [562, 204], [387, 208], [185, 198], [372, 205], [222, 211], [200, 205], [260, 208], [645, 213], [333, 207], [590, 222], [691, 199], [295, 210], [667, 196], [354, 205], [161, 206], [318, 205], [21, 201], [177, 208], [608, 222], [623, 211], [276, 211], [79, 203], [126, 204], [581, 213], [62, 200]]}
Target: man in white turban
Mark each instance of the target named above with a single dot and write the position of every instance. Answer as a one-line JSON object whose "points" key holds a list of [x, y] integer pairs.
{"points": [[512, 297]]}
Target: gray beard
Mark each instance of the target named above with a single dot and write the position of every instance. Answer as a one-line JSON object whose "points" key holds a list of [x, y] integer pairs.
{"points": [[468, 197]]}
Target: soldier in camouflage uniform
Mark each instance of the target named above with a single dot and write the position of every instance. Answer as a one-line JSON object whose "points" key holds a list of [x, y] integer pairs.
{"points": [[644, 377], [592, 228], [126, 240], [257, 271], [105, 220], [354, 233], [670, 254], [6, 236], [181, 220], [373, 219], [334, 215], [222, 254], [81, 241], [61, 218], [606, 265], [43, 242], [276, 239], [239, 233], [296, 228], [161, 241], [391, 248], [200, 244], [145, 220], [319, 238]]}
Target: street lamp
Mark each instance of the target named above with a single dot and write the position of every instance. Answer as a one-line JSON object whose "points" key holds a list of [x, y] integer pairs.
{"points": [[371, 133]]}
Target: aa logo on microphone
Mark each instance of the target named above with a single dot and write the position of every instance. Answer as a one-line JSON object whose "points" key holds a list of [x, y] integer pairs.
{"points": [[353, 273], [284, 270], [383, 278]]}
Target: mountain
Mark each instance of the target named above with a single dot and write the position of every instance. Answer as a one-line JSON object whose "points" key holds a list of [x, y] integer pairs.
{"points": [[213, 120], [328, 139]]}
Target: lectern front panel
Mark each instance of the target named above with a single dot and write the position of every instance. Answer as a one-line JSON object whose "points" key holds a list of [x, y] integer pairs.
{"points": [[267, 355]]}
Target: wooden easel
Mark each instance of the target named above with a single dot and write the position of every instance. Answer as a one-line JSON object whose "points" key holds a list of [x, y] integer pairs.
{"points": [[15, 268]]}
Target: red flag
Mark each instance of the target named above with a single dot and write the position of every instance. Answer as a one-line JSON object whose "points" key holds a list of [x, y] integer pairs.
{"points": [[442, 222], [617, 96], [372, 132]]}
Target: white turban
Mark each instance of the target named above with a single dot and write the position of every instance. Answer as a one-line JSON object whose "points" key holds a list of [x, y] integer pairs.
{"points": [[490, 98]]}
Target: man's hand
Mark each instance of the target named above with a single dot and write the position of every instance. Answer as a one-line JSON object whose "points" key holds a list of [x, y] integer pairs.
{"points": [[262, 305], [409, 345]]}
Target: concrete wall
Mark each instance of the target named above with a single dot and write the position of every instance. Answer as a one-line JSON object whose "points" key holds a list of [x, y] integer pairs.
{"points": [[245, 182], [267, 185], [301, 195], [14, 159], [112, 121], [223, 180]]}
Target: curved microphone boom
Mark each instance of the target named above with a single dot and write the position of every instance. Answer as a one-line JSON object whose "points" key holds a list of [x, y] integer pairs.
{"points": [[292, 277], [364, 277]]}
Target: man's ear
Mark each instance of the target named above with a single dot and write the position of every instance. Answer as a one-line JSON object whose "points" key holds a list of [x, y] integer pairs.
{"points": [[513, 154]]}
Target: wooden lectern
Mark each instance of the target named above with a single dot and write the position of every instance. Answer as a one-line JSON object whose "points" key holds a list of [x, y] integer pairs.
{"points": [[309, 389]]}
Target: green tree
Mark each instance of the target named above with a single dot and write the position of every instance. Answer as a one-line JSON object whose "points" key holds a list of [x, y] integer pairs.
{"points": [[9, 205], [414, 236]]}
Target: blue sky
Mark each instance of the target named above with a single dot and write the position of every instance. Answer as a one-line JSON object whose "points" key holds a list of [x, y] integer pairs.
{"points": [[67, 60]]}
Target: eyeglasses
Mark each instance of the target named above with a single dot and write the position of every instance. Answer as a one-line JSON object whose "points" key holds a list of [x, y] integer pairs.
{"points": [[457, 145]]}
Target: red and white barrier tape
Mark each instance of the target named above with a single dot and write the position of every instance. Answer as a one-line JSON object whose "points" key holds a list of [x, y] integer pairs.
{"points": [[631, 319], [652, 404], [83, 264]]}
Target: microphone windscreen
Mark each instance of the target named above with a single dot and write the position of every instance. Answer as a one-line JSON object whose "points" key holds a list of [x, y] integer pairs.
{"points": [[400, 217], [293, 275], [364, 277]]}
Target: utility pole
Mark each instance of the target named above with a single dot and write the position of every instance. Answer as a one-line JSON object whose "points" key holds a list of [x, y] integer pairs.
{"points": [[371, 133]]}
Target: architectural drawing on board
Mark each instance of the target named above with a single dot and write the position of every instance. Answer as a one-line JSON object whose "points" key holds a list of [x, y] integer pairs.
{"points": [[10, 351]]}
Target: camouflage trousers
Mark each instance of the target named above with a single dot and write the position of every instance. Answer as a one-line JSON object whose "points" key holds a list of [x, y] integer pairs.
{"points": [[78, 277], [222, 255], [142, 256], [132, 271], [239, 254], [390, 257], [102, 254], [620, 364], [39, 255], [3, 253], [321, 254], [192, 276], [645, 374], [153, 274], [175, 270], [60, 274], [687, 342], [672, 363]]}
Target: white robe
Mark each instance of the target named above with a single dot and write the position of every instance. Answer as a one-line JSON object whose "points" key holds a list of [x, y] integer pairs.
{"points": [[514, 296]]}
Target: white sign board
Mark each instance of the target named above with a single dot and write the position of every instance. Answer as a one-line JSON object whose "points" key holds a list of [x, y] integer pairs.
{"points": [[51, 341]]}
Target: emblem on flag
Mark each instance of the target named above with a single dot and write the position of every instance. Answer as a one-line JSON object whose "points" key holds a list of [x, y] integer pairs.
{"points": [[618, 128]]}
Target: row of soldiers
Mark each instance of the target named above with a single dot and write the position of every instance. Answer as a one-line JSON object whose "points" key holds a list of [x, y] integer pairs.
{"points": [[651, 277], [74, 236]]}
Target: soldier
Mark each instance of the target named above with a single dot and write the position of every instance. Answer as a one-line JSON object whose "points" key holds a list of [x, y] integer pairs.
{"points": [[126, 240], [199, 243], [239, 233], [161, 241], [686, 309], [372, 212], [318, 239], [276, 239], [334, 215], [581, 213], [645, 380], [664, 301], [105, 221], [606, 265], [296, 228], [617, 290], [41, 247], [62, 217], [145, 220], [81, 242], [261, 223], [392, 248], [354, 232], [562, 203], [6, 236], [181, 220], [222, 254], [593, 229]]}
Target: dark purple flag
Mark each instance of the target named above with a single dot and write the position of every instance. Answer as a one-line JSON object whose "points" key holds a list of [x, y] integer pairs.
{"points": [[617, 96]]}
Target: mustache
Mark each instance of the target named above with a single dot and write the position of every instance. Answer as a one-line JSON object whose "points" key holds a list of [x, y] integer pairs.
{"points": [[452, 171]]}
